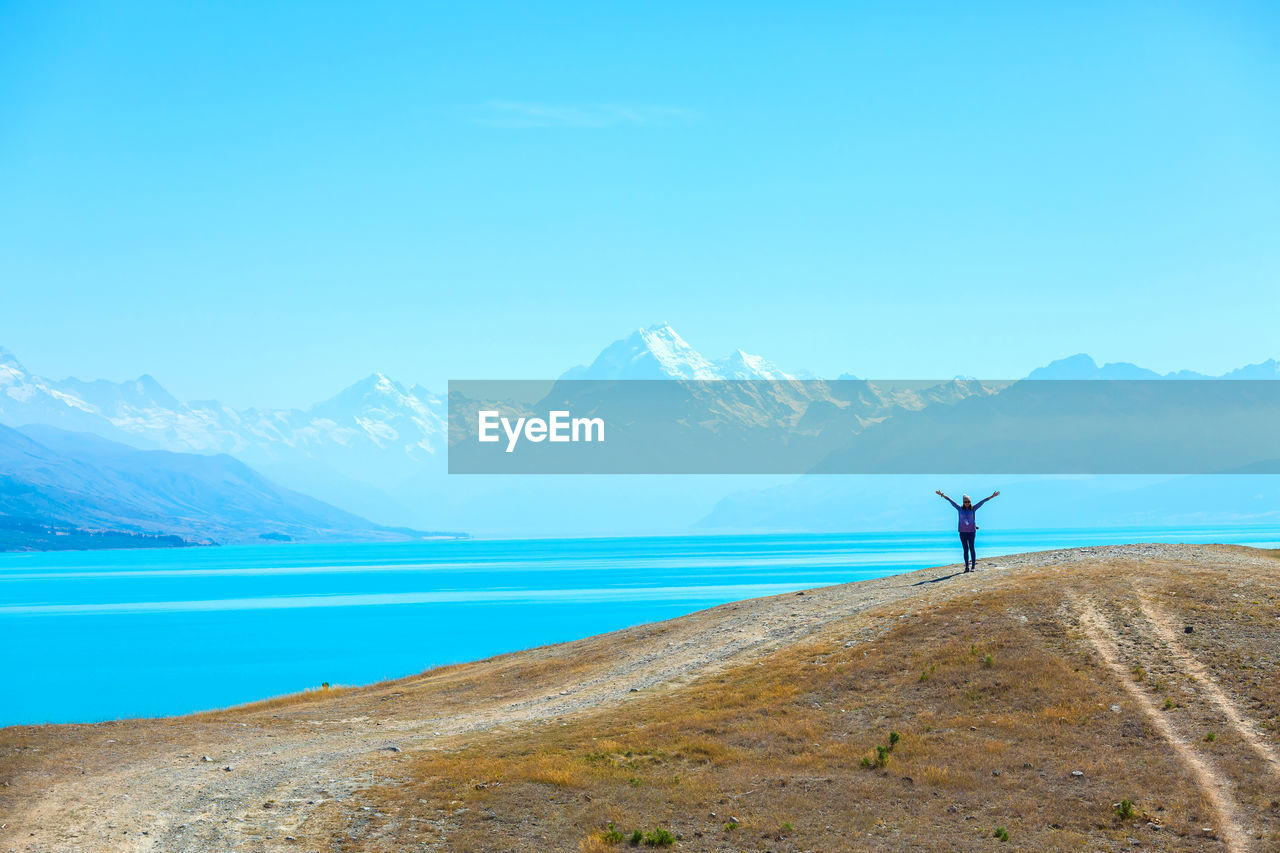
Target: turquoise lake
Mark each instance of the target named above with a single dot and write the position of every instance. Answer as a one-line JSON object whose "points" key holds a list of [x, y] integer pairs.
{"points": [[104, 634]]}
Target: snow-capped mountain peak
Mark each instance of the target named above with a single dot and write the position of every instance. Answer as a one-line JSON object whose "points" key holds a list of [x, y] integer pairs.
{"points": [[657, 352], [11, 370], [7, 357], [375, 430], [744, 365]]}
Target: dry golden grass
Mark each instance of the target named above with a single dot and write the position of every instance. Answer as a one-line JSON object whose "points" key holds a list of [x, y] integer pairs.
{"points": [[275, 703], [984, 742]]}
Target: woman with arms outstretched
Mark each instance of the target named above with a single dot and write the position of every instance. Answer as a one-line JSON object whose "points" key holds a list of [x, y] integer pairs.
{"points": [[968, 510]]}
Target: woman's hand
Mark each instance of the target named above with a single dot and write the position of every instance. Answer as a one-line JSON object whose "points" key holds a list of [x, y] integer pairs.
{"points": [[995, 494], [939, 493]]}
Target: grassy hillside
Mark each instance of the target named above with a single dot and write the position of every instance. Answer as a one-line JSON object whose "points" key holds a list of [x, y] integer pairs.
{"points": [[1053, 702], [996, 698]]}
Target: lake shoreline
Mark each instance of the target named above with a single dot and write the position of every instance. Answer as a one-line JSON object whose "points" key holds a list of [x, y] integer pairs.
{"points": [[273, 751]]}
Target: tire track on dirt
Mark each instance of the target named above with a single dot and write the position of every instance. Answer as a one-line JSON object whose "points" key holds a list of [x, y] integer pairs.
{"points": [[1190, 665], [1215, 787]]}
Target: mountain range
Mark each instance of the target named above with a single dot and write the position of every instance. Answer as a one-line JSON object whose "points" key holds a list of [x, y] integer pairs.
{"points": [[377, 448]]}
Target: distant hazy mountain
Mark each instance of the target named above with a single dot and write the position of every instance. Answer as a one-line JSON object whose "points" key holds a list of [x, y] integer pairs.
{"points": [[1081, 366], [84, 481], [369, 438], [1269, 369]]}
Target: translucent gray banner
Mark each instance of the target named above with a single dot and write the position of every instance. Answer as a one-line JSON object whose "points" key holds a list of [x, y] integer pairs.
{"points": [[864, 427]]}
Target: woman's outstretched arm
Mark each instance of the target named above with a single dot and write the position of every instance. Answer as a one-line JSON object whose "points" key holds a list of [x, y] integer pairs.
{"points": [[987, 498], [947, 499]]}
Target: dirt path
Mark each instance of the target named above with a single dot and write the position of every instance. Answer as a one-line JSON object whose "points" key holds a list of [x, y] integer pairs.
{"points": [[1216, 788], [1247, 728], [145, 786]]}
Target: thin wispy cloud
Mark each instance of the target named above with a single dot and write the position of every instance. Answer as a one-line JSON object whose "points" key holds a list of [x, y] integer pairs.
{"points": [[518, 114]]}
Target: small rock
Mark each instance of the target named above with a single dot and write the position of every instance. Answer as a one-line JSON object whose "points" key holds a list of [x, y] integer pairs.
{"points": [[799, 593], [635, 690], [391, 749], [205, 759], [1115, 709], [1077, 773], [1190, 629], [973, 728], [1153, 826], [1207, 830], [733, 819], [995, 772], [290, 838], [227, 769]]}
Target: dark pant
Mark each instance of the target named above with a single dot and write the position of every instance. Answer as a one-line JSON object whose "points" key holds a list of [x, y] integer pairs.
{"points": [[970, 556]]}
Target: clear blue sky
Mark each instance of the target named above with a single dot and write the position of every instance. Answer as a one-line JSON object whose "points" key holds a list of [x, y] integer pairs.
{"points": [[264, 204]]}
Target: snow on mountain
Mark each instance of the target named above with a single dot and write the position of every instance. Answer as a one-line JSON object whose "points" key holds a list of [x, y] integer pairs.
{"points": [[659, 352], [142, 392], [377, 447], [743, 365], [27, 398], [376, 431], [385, 413], [11, 370]]}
